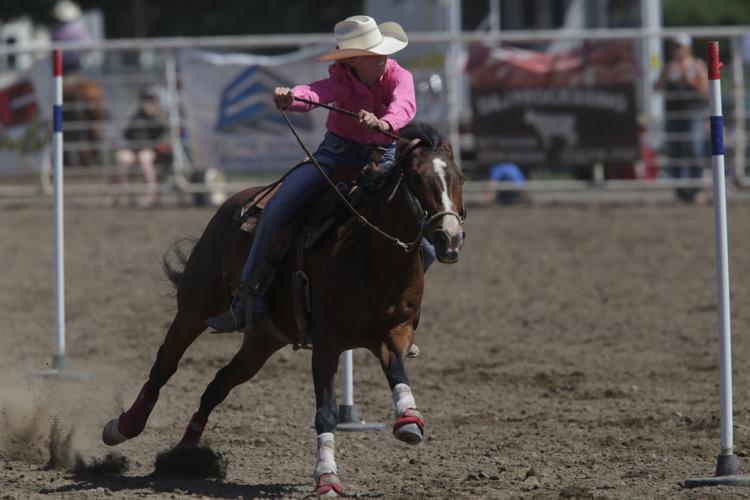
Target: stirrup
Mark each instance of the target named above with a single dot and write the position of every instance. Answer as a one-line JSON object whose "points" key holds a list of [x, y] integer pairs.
{"points": [[305, 343]]}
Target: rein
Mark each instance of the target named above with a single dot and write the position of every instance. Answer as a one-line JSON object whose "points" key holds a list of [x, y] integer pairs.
{"points": [[406, 247], [350, 113]]}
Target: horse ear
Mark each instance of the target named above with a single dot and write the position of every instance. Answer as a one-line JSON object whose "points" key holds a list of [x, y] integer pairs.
{"points": [[404, 147], [447, 149]]}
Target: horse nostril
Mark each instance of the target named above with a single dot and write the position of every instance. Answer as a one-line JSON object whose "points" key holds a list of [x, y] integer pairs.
{"points": [[441, 238]]}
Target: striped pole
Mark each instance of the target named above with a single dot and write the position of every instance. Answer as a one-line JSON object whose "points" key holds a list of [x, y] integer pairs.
{"points": [[58, 361], [59, 368], [726, 464]]}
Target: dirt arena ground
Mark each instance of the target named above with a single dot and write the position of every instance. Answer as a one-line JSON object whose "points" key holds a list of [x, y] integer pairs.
{"points": [[571, 353]]}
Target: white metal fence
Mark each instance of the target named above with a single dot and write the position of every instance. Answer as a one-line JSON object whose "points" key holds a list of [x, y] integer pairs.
{"points": [[122, 67]]}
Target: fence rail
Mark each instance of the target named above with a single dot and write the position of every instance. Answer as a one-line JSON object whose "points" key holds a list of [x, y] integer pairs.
{"points": [[125, 65]]}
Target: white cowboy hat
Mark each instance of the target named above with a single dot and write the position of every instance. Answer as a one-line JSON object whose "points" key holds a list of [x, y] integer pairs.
{"points": [[683, 39], [361, 36], [66, 11]]}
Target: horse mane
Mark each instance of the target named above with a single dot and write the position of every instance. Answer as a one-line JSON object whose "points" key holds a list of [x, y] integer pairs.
{"points": [[375, 178], [424, 132]]}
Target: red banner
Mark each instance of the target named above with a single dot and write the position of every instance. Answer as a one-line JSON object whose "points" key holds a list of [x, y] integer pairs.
{"points": [[561, 109]]}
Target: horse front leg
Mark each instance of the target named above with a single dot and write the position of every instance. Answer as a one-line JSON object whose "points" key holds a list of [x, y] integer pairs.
{"points": [[324, 367], [409, 424]]}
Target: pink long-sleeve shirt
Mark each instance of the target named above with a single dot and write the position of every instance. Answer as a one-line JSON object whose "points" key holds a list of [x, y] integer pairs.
{"points": [[390, 99]]}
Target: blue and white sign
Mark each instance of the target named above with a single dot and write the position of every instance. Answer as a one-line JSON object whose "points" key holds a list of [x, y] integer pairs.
{"points": [[231, 119]]}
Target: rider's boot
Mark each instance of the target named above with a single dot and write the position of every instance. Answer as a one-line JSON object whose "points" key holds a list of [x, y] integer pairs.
{"points": [[235, 317]]}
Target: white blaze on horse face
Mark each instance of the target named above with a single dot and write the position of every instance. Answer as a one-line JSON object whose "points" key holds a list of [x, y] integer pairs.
{"points": [[449, 224], [403, 399], [326, 463]]}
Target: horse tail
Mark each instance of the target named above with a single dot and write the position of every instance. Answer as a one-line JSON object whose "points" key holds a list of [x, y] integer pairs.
{"points": [[178, 251]]}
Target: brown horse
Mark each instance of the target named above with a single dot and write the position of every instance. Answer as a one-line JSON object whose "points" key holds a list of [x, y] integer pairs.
{"points": [[366, 292], [84, 118]]}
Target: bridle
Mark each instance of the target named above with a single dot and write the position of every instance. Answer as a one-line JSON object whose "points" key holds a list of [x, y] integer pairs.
{"points": [[426, 223]]}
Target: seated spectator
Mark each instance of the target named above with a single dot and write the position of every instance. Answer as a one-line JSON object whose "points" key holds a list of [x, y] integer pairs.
{"points": [[143, 136]]}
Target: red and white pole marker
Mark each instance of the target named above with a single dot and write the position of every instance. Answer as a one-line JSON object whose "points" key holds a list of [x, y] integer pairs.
{"points": [[726, 465], [59, 360], [722, 252]]}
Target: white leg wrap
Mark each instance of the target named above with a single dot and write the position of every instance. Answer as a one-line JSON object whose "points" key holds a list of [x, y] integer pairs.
{"points": [[326, 463], [403, 399]]}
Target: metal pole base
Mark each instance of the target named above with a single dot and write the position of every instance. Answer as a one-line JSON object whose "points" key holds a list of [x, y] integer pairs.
{"points": [[60, 371], [726, 474], [349, 421]]}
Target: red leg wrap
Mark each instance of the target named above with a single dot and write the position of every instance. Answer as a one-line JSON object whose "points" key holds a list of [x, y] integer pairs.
{"points": [[194, 430], [327, 482], [410, 416], [132, 422]]}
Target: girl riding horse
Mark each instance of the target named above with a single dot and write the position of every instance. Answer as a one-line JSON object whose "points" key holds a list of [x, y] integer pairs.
{"points": [[367, 284], [362, 78]]}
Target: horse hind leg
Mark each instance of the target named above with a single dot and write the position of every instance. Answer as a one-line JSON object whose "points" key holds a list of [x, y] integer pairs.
{"points": [[253, 354], [182, 332]]}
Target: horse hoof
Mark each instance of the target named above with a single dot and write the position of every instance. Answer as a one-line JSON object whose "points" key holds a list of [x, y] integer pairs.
{"points": [[413, 351], [329, 485], [110, 435], [409, 427], [189, 445], [409, 433]]}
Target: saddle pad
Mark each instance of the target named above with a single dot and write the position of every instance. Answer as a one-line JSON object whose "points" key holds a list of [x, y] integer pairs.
{"points": [[259, 202]]}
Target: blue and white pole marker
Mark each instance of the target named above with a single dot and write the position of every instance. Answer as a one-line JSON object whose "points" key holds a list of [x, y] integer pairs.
{"points": [[59, 368], [727, 462], [58, 361]]}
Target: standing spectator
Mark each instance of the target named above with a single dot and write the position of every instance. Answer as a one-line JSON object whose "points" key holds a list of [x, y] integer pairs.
{"points": [[70, 28], [143, 136], [685, 80]]}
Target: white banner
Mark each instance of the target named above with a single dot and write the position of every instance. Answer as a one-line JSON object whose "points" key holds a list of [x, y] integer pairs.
{"points": [[25, 119], [232, 122]]}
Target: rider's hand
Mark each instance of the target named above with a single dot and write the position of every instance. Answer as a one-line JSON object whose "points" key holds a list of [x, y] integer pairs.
{"points": [[369, 119], [283, 97]]}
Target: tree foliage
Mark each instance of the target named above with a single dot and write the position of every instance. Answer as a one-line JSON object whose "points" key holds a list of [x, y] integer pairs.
{"points": [[200, 17], [39, 10], [245, 17], [705, 13]]}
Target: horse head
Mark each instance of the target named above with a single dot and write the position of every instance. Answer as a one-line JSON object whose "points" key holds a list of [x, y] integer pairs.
{"points": [[435, 182]]}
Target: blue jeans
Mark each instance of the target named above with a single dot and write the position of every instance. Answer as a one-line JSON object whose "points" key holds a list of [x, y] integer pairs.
{"points": [[688, 150], [302, 187]]}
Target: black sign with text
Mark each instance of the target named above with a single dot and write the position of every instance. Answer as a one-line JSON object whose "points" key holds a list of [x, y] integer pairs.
{"points": [[565, 108], [556, 126]]}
